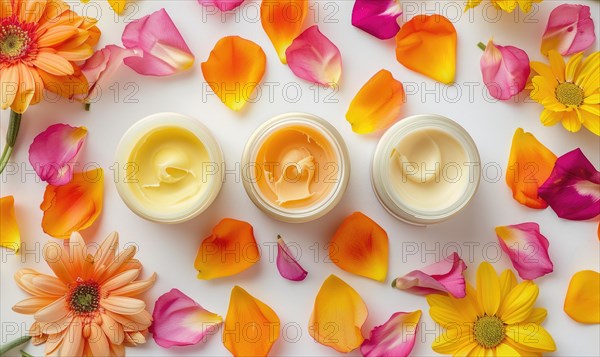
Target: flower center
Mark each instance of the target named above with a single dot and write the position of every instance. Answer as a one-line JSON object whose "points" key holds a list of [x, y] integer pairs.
{"points": [[489, 331], [84, 298], [16, 39], [569, 94]]}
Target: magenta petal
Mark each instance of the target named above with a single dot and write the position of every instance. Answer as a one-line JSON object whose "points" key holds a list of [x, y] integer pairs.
{"points": [[445, 276], [573, 188], [377, 17], [395, 338], [54, 151], [505, 70], [570, 29], [313, 57], [164, 51], [288, 266], [527, 249], [180, 321], [223, 5]]}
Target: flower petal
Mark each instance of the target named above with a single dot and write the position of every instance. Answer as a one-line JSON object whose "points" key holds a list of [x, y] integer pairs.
{"points": [[530, 337], [396, 337], [288, 266], [505, 70], [74, 206], [445, 276], [282, 21], [223, 5], [360, 246], [488, 288], [518, 304], [529, 165], [378, 18], [234, 68], [427, 44], [9, 230], [527, 249], [313, 57], [573, 188], [338, 316], [249, 317], [164, 51], [230, 249], [377, 104], [582, 302], [180, 321], [570, 29]]}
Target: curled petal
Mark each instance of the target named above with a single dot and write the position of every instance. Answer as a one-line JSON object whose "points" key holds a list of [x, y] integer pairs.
{"points": [[282, 21], [582, 302], [9, 230], [233, 69], [427, 44], [570, 29], [377, 104], [75, 206], [396, 337], [360, 246], [288, 266], [445, 276], [505, 70], [529, 165], [229, 250], [573, 188], [378, 18], [164, 51], [527, 249], [247, 313], [313, 57], [180, 321], [223, 5], [54, 151]]}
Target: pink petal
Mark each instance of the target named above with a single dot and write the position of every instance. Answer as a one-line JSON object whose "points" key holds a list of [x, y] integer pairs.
{"points": [[223, 5], [180, 321], [570, 29], [377, 17], [313, 57], [573, 188], [164, 51], [288, 266], [54, 151], [505, 70], [445, 276], [527, 249], [395, 338]]}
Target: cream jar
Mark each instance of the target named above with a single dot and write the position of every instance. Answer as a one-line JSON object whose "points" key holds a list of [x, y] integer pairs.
{"points": [[170, 168], [426, 168], [295, 167]]}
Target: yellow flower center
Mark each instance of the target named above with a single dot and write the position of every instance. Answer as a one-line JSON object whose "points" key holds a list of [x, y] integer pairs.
{"points": [[17, 40], [489, 331], [569, 94], [84, 297]]}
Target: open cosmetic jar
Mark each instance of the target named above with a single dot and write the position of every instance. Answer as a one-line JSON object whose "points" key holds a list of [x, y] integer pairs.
{"points": [[426, 168], [295, 167]]}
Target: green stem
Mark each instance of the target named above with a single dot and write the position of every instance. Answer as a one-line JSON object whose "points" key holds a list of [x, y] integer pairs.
{"points": [[11, 138], [14, 343], [87, 106], [481, 45]]}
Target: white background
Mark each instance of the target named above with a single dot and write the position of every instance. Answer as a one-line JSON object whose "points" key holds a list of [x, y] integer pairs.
{"points": [[170, 250]]}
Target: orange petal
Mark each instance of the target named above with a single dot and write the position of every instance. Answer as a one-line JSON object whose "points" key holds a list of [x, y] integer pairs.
{"points": [[529, 165], [9, 230], [377, 104], [233, 69], [65, 86], [251, 327], [338, 316], [582, 303], [282, 21], [427, 44], [229, 250], [75, 206], [360, 246]]}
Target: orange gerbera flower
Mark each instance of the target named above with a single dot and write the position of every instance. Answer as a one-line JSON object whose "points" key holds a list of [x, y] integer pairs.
{"points": [[89, 308]]}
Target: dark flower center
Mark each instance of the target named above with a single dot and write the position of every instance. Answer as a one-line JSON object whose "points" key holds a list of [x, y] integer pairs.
{"points": [[85, 297], [489, 331], [569, 93]]}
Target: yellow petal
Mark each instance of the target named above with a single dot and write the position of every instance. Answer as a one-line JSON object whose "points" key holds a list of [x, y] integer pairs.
{"points": [[282, 20], [118, 6], [518, 304], [9, 230], [507, 282], [538, 315], [530, 336], [571, 121], [582, 302], [454, 339], [488, 288]]}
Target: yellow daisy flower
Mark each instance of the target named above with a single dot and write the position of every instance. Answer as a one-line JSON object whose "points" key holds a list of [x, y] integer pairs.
{"points": [[505, 5], [497, 319], [569, 93]]}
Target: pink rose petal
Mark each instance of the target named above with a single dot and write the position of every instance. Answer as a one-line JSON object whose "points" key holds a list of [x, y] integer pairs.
{"points": [[396, 337], [54, 151], [527, 249], [445, 276], [180, 321], [573, 188], [505, 70], [288, 266], [164, 51], [377, 17], [570, 29], [313, 57], [223, 5]]}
